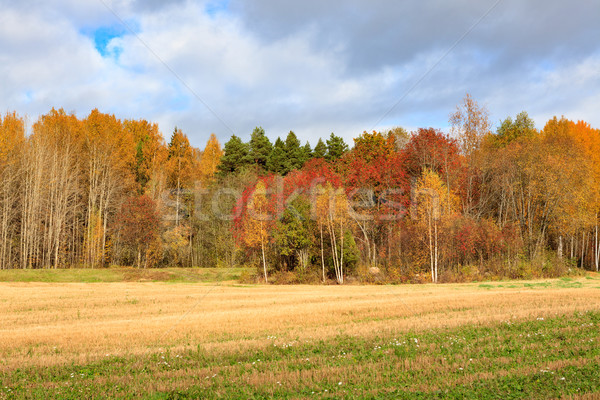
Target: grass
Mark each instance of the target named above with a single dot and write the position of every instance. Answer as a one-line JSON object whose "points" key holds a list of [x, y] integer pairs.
{"points": [[542, 358], [122, 274], [162, 340]]}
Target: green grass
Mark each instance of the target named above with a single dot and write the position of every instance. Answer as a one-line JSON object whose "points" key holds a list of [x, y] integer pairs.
{"points": [[539, 358], [122, 274]]}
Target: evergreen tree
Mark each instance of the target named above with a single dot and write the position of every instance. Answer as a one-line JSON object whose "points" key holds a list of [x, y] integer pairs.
{"points": [[235, 156], [320, 150], [260, 147], [336, 147], [305, 154], [293, 152], [277, 161]]}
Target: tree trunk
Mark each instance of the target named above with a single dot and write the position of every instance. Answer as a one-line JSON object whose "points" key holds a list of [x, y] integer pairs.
{"points": [[431, 250], [582, 249], [341, 252], [262, 247], [560, 247], [322, 252], [597, 248], [436, 251]]}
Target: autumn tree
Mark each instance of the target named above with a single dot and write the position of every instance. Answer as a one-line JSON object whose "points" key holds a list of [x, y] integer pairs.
{"points": [[470, 125], [107, 152], [378, 189], [256, 224], [182, 168], [434, 205], [138, 224], [332, 211], [150, 156], [431, 149], [209, 162], [12, 142], [509, 130], [57, 139]]}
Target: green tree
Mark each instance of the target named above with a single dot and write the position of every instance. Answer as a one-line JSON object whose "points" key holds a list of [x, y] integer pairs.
{"points": [[278, 161], [293, 152], [336, 147], [293, 234], [234, 157], [305, 153], [320, 150], [509, 130], [260, 147]]}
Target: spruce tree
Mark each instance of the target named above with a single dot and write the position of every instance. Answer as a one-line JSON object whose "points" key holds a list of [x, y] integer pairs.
{"points": [[235, 156], [277, 161], [336, 147], [260, 147], [306, 153], [320, 150], [293, 152]]}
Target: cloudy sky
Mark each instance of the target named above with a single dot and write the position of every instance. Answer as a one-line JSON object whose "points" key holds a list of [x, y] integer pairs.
{"points": [[312, 66]]}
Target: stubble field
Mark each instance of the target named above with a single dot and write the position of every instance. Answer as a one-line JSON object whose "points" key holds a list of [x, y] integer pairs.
{"points": [[208, 340]]}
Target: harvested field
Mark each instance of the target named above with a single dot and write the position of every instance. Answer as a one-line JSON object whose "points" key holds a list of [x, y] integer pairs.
{"points": [[108, 329]]}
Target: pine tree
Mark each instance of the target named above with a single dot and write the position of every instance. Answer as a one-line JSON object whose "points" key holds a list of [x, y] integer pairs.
{"points": [[235, 156], [293, 152], [320, 150], [336, 147], [278, 161], [260, 147], [305, 154]]}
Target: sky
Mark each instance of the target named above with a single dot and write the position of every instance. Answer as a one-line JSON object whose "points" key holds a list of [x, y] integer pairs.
{"points": [[311, 66]]}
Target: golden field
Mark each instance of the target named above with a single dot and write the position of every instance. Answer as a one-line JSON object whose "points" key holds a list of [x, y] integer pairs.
{"points": [[49, 324]]}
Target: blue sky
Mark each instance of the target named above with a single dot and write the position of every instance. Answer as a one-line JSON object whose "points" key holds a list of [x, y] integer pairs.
{"points": [[226, 66]]}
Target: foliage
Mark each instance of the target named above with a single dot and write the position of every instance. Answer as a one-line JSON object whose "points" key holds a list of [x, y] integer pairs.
{"points": [[336, 147], [259, 148], [472, 203], [138, 227], [235, 156]]}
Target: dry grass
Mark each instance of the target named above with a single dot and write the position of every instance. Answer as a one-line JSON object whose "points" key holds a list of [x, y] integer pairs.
{"points": [[45, 324]]}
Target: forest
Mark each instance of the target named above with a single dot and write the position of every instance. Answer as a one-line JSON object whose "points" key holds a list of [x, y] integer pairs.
{"points": [[474, 203]]}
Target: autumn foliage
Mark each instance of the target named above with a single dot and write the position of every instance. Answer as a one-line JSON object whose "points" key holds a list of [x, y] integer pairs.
{"points": [[421, 206]]}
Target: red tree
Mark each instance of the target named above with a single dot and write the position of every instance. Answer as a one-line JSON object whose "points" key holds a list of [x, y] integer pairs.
{"points": [[138, 225]]}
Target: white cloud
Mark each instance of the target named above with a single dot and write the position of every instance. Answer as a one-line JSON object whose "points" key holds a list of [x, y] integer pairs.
{"points": [[312, 69]]}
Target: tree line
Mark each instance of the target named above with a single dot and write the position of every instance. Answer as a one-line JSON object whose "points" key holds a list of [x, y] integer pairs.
{"points": [[399, 206]]}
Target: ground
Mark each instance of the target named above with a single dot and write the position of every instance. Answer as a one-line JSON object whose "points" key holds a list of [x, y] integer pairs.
{"points": [[536, 339]]}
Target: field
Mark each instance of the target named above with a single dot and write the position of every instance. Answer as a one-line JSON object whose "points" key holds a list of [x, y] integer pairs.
{"points": [[159, 340]]}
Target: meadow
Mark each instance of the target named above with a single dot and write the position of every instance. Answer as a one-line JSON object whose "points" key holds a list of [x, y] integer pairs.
{"points": [[189, 339]]}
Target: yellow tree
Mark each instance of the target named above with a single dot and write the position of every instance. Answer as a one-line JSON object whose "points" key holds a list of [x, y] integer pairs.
{"points": [[182, 167], [470, 125], [150, 156], [108, 155], [572, 151], [12, 141], [434, 206], [331, 210], [211, 157], [58, 136], [257, 222]]}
